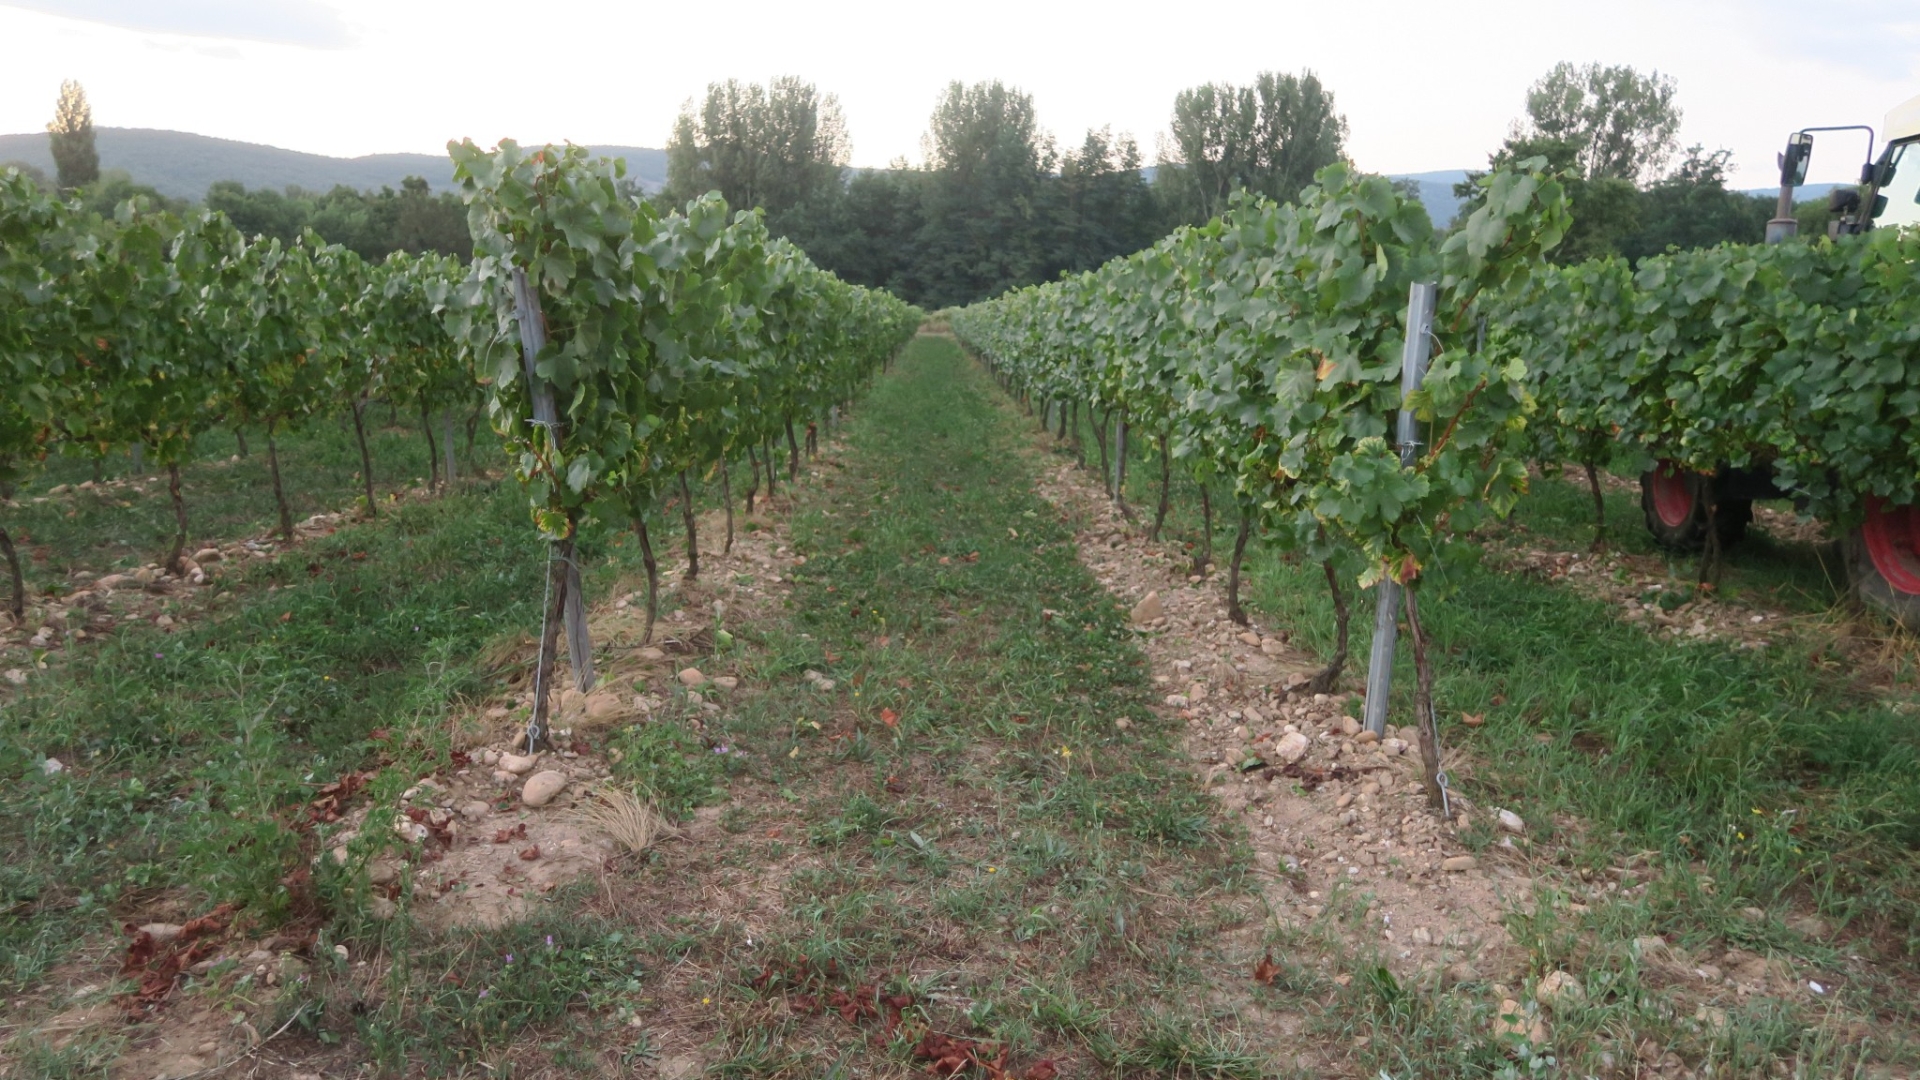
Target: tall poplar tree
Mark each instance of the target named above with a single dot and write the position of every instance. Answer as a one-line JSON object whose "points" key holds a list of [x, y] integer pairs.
{"points": [[71, 133]]}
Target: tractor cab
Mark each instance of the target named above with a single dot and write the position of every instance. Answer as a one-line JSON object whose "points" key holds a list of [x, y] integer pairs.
{"points": [[1888, 194]]}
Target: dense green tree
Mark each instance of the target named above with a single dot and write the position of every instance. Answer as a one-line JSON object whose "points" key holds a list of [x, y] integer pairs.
{"points": [[987, 164], [1620, 123], [782, 147], [1103, 205], [1609, 131], [371, 224], [1692, 208], [1270, 138], [1606, 209], [71, 135]]}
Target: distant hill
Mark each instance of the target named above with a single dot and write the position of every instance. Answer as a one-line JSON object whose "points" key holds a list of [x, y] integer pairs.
{"points": [[1436, 192], [182, 165]]}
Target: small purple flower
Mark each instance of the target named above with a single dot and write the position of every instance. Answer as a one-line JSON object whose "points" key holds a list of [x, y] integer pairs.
{"points": [[723, 748], [549, 941], [484, 993], [509, 958], [158, 656]]}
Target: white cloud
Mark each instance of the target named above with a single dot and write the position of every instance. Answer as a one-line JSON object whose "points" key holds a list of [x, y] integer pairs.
{"points": [[287, 22], [1424, 86]]}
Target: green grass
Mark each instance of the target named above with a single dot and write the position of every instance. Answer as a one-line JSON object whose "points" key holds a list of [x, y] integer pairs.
{"points": [[1773, 780], [959, 821], [106, 528], [1779, 776], [190, 752]]}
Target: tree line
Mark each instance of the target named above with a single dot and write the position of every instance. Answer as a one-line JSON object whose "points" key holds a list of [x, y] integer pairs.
{"points": [[998, 202]]}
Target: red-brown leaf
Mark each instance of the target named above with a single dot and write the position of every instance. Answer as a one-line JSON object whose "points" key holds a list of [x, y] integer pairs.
{"points": [[1265, 970]]}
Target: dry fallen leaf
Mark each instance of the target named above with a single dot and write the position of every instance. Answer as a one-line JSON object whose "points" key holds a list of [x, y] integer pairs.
{"points": [[1265, 970], [889, 718], [1473, 719]]}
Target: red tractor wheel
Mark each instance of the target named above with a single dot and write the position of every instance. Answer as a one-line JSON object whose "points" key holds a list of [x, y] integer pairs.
{"points": [[1883, 561], [1676, 501]]}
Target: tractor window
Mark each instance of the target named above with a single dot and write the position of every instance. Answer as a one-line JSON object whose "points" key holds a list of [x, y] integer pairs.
{"points": [[1902, 189]]}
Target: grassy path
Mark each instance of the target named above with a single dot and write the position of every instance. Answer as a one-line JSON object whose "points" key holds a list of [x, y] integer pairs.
{"points": [[981, 817]]}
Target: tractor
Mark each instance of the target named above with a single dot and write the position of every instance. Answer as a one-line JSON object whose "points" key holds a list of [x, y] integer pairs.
{"points": [[1882, 553]]}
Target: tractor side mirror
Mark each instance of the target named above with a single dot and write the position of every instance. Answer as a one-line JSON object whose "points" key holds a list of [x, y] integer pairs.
{"points": [[1867, 171], [1793, 163]]}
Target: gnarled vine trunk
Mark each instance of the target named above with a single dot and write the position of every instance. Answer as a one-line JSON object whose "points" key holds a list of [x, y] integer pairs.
{"points": [[693, 531], [1234, 611], [653, 575], [366, 456], [433, 448], [174, 560], [1324, 679], [1166, 489], [279, 489], [1423, 700]]}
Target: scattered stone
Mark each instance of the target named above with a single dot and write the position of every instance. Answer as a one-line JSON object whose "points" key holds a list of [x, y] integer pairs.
{"points": [[1753, 914], [1458, 864], [1248, 637], [1812, 926], [517, 764], [691, 677], [1349, 726], [161, 932], [16, 677], [52, 765], [1460, 972], [1711, 1019], [1123, 723], [475, 810], [652, 653], [489, 757], [1422, 936], [1366, 738], [381, 908], [1148, 609], [1514, 1021], [727, 682], [163, 621], [1558, 990], [1291, 747], [383, 872], [1512, 823], [541, 787], [207, 555]]}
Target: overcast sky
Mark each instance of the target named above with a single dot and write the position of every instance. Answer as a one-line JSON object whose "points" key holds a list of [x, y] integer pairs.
{"points": [[1424, 85]]}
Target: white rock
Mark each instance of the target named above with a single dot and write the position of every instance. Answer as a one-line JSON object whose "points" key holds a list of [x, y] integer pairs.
{"points": [[16, 676], [1148, 609], [1291, 747], [1559, 989], [474, 810], [52, 765], [691, 677], [541, 787], [489, 757], [1459, 864], [1512, 822], [161, 932], [727, 682], [207, 555], [517, 764]]}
